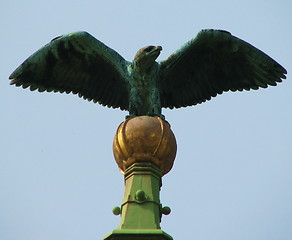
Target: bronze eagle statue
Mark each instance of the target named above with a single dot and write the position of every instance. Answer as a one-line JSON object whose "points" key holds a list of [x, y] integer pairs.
{"points": [[211, 63]]}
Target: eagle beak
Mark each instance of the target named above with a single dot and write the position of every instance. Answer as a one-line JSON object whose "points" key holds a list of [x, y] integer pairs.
{"points": [[157, 48], [155, 51]]}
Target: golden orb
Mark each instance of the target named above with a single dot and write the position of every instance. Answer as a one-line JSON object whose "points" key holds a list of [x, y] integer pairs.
{"points": [[145, 139]]}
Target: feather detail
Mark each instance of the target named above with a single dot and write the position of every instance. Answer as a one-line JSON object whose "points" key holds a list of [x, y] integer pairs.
{"points": [[77, 63], [212, 63]]}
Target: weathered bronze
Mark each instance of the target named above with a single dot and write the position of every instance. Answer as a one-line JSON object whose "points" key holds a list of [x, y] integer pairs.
{"points": [[212, 63]]}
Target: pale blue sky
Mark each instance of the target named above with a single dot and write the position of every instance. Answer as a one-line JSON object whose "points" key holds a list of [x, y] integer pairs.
{"points": [[232, 177]]}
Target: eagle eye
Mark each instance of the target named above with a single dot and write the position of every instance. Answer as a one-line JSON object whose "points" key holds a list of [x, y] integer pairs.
{"points": [[149, 49]]}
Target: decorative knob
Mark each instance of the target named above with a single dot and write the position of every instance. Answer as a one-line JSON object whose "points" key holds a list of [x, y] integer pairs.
{"points": [[140, 196], [116, 211], [166, 210]]}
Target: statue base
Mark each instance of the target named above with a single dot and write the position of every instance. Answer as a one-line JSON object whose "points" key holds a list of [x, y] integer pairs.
{"points": [[138, 234]]}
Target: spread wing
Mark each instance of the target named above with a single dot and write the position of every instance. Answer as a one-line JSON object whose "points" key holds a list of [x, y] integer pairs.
{"points": [[80, 64], [212, 63]]}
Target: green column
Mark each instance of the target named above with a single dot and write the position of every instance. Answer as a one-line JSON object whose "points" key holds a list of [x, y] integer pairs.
{"points": [[141, 210]]}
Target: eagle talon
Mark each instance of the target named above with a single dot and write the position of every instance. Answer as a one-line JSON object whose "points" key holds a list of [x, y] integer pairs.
{"points": [[156, 115], [148, 114], [130, 116], [161, 116]]}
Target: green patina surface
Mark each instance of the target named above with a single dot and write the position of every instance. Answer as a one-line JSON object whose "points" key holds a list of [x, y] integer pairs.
{"points": [[211, 63], [141, 209]]}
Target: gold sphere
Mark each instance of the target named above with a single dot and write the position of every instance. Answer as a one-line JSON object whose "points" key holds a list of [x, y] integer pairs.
{"points": [[147, 139]]}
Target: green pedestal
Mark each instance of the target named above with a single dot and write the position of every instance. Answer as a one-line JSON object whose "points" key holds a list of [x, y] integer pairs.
{"points": [[138, 235], [141, 210]]}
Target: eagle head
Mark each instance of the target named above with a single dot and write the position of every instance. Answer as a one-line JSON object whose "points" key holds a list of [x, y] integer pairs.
{"points": [[146, 57]]}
